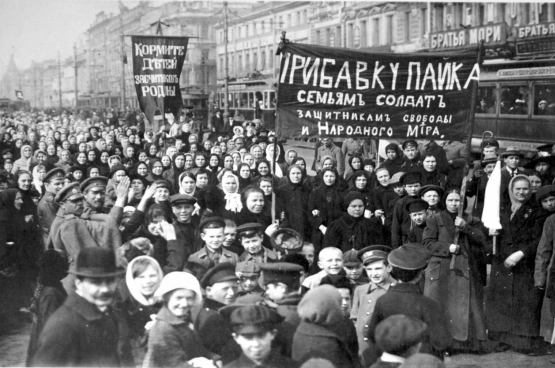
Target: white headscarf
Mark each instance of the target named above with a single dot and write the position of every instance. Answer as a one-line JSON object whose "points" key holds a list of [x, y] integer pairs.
{"points": [[232, 200], [132, 285]]}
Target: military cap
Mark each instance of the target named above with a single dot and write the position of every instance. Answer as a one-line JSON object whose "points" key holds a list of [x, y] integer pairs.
{"points": [[512, 151], [162, 183], [398, 332], [57, 173], [545, 148], [416, 205], [409, 142], [489, 158], [220, 273], [545, 191], [69, 191], [114, 169], [426, 188], [411, 177], [182, 198], [373, 253], [251, 319], [247, 269], [490, 143], [285, 239], [94, 182], [350, 258], [212, 223], [395, 179], [284, 272], [248, 229], [410, 256]]}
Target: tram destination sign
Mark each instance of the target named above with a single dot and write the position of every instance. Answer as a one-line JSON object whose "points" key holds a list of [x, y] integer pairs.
{"points": [[326, 91]]}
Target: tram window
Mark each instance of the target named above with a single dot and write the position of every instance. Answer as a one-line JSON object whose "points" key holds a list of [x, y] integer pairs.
{"points": [[514, 99], [244, 100], [222, 100], [230, 100], [272, 99], [486, 100], [259, 98], [251, 99], [544, 99]]}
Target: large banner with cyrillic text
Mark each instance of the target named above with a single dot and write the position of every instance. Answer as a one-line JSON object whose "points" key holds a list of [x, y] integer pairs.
{"points": [[157, 64], [333, 92]]}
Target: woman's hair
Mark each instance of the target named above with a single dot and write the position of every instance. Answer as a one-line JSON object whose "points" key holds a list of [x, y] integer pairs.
{"points": [[140, 266], [247, 192], [154, 211]]}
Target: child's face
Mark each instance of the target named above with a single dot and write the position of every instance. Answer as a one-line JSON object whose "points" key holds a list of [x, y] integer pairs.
{"points": [[248, 283], [354, 271], [8, 166], [119, 175], [253, 244], [399, 190], [257, 346], [345, 301], [162, 194], [378, 272], [331, 262], [308, 252], [213, 237]]}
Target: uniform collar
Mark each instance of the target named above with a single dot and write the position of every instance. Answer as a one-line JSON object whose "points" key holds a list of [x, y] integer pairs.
{"points": [[386, 286]]}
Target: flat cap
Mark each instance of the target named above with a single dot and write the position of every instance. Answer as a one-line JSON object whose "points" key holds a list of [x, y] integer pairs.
{"points": [[281, 272], [350, 258], [212, 223], [248, 229], [247, 269], [182, 198], [409, 142], [426, 188], [94, 182], [410, 256], [416, 205], [220, 273], [117, 167], [411, 177], [69, 191], [373, 253], [57, 173], [251, 319], [544, 192], [162, 183], [397, 333]]}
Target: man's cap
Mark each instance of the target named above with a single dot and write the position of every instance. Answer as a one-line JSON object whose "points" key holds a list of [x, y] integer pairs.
{"points": [[411, 177], [182, 199], [396, 178], [247, 269], [220, 273], [426, 188], [212, 223], [284, 272], [248, 229], [550, 160], [162, 183], [57, 173], [350, 258], [96, 262], [143, 179], [251, 319], [93, 127], [70, 191], [399, 332], [409, 142], [489, 158], [94, 182], [545, 148], [410, 256], [545, 191], [416, 205], [512, 151], [490, 143], [286, 240], [373, 253], [117, 168]]}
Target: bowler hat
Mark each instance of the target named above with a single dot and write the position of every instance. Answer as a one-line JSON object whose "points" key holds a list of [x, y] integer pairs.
{"points": [[96, 262]]}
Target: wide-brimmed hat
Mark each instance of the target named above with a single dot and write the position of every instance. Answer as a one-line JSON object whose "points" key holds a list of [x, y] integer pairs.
{"points": [[512, 151], [96, 262], [550, 160], [489, 158]]}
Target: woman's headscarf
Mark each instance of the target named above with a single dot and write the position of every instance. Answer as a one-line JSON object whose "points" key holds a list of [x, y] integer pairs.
{"points": [[168, 166], [515, 204], [132, 285], [181, 177], [258, 171], [147, 150], [215, 169], [35, 176], [232, 200], [180, 280]]}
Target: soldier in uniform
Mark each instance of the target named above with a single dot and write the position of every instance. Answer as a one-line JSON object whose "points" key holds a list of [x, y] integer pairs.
{"points": [[47, 207], [94, 190]]}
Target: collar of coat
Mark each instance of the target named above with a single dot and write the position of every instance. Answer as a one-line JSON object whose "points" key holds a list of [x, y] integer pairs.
{"points": [[373, 286], [165, 315], [317, 330], [212, 304], [203, 253], [85, 309]]}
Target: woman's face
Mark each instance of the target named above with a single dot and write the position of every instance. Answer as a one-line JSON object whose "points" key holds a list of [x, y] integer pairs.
{"points": [[42, 146], [82, 147], [255, 202], [327, 164], [81, 158], [157, 168], [383, 177], [429, 163], [245, 172], [200, 161], [24, 182], [152, 150], [91, 155], [142, 170], [161, 195], [181, 302], [147, 281], [193, 138], [143, 157], [257, 153], [228, 162], [230, 145], [179, 161], [77, 174], [65, 144], [193, 148], [166, 161], [130, 151], [520, 190], [216, 150], [27, 152], [104, 157], [329, 178], [57, 135], [64, 155], [214, 161], [137, 186], [223, 147], [94, 172], [207, 145], [40, 174], [172, 151], [131, 138], [263, 169], [301, 164], [266, 187], [51, 150], [154, 225], [356, 208], [356, 163], [188, 162], [360, 182], [229, 184], [535, 183], [202, 180], [236, 156], [453, 202], [18, 201], [249, 160], [188, 184], [431, 197]]}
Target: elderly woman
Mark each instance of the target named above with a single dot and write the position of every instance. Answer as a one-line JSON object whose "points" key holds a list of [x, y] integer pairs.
{"points": [[172, 340], [459, 292], [513, 304]]}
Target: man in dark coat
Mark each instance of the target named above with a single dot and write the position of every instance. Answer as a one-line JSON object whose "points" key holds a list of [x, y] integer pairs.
{"points": [[511, 158], [47, 207], [183, 206], [86, 331], [412, 182]]}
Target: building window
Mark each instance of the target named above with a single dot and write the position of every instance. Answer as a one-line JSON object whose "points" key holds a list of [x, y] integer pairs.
{"points": [[262, 59], [331, 39], [363, 41], [389, 31], [255, 60], [239, 63], [271, 59], [317, 40], [247, 61], [375, 31], [350, 35], [289, 20], [407, 26], [305, 16], [423, 21], [356, 37], [262, 27]]}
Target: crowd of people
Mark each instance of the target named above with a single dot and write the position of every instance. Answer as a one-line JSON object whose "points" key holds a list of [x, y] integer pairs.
{"points": [[211, 247]]}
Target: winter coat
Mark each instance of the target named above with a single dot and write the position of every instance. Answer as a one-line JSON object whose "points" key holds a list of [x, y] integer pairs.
{"points": [[293, 200], [348, 233]]}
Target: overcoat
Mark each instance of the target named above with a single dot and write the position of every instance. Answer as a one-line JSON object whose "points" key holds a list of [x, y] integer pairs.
{"points": [[348, 232]]}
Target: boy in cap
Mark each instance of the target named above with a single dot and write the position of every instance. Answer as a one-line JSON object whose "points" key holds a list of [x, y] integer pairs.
{"points": [[330, 261], [254, 329], [248, 273], [374, 260], [212, 234], [417, 209], [251, 236], [354, 269], [230, 238], [398, 337], [411, 156], [411, 182], [183, 206], [407, 263]]}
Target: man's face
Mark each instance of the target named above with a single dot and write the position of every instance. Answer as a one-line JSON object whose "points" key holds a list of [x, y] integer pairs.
{"points": [[345, 300], [548, 203], [410, 152], [399, 190], [252, 244], [489, 168], [256, 346], [213, 237], [98, 291], [327, 142], [419, 217], [224, 292], [95, 197], [378, 272], [74, 206], [248, 283], [54, 185], [412, 189], [183, 211], [354, 271], [230, 233], [512, 162]]}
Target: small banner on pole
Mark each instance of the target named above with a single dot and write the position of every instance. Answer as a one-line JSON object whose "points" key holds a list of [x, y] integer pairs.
{"points": [[326, 91], [19, 94], [157, 64]]}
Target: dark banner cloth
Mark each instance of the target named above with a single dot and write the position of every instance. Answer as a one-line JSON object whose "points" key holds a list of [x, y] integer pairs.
{"points": [[157, 64], [334, 92]]}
